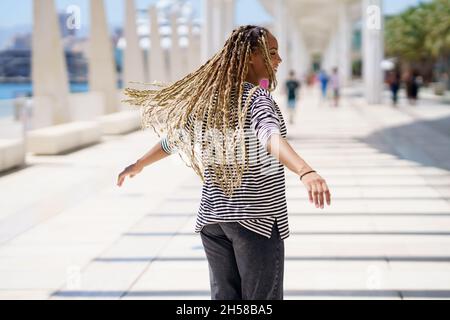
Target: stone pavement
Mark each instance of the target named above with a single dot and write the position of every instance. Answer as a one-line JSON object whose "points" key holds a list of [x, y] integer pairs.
{"points": [[68, 232]]}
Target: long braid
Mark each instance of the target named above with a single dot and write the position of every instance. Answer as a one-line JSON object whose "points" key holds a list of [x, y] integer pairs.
{"points": [[210, 96]]}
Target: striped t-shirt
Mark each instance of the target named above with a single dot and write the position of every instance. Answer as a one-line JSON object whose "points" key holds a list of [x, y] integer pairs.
{"points": [[261, 199]]}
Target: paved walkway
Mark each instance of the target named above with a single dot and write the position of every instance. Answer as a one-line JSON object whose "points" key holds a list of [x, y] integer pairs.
{"points": [[67, 231]]}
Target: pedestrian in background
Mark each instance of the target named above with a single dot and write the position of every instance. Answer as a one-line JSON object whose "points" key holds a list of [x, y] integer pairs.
{"points": [[292, 89], [335, 86]]}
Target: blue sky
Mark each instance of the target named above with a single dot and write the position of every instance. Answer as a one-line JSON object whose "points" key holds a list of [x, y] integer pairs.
{"points": [[16, 15], [19, 12], [23, 11]]}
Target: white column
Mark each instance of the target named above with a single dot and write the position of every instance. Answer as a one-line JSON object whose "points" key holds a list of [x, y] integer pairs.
{"points": [[331, 55], [281, 33], [133, 55], [218, 22], [193, 50], [299, 56], [102, 70], [345, 38], [325, 65], [302, 56], [217, 25], [295, 50], [373, 46], [175, 51], [307, 63], [324, 59], [219, 18], [207, 30], [156, 65], [290, 60], [228, 19], [49, 71], [334, 48]]}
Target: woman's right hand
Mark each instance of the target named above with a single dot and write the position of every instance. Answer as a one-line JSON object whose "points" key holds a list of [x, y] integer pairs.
{"points": [[131, 171]]}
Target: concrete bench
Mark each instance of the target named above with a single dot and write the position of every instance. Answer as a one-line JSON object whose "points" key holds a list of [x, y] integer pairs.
{"points": [[12, 153], [120, 122], [446, 97], [64, 137]]}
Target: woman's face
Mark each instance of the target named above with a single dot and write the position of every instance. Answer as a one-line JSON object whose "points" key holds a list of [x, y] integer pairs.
{"points": [[257, 65]]}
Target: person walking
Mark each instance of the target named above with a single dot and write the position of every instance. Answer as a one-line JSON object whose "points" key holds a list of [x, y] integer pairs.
{"points": [[292, 88], [394, 85], [412, 86], [335, 86], [323, 78], [231, 132]]}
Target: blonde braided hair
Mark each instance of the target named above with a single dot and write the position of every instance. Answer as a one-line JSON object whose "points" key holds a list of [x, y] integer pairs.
{"points": [[208, 99]]}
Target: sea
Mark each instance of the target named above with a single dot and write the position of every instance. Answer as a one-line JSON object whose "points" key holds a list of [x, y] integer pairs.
{"points": [[10, 91]]}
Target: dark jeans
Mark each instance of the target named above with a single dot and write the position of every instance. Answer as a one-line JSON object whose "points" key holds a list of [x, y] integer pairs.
{"points": [[243, 265]]}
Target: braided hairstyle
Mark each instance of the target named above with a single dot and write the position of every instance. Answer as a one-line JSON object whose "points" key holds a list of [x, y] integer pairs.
{"points": [[208, 100]]}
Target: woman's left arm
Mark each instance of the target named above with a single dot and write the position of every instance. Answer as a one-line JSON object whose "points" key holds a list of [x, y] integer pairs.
{"points": [[317, 188]]}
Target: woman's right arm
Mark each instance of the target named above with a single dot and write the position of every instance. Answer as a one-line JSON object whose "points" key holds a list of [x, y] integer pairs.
{"points": [[158, 152]]}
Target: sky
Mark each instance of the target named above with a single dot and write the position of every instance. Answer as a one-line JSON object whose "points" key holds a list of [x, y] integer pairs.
{"points": [[22, 10], [16, 15]]}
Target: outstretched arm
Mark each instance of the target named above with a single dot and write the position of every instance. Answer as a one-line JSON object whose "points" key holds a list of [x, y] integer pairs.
{"points": [[155, 154], [317, 188]]}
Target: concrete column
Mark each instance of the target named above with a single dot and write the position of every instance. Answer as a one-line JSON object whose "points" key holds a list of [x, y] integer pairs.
{"points": [[49, 70], [292, 48], [333, 52], [133, 56], [325, 64], [228, 19], [281, 32], [345, 38], [193, 50], [330, 59], [207, 30], [176, 66], [217, 25], [102, 70], [157, 70], [301, 55], [307, 62], [373, 46]]}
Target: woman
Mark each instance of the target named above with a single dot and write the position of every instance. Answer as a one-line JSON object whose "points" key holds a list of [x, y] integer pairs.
{"points": [[412, 87], [232, 133]]}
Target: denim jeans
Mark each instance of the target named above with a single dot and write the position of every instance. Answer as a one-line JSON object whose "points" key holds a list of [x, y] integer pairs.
{"points": [[243, 265]]}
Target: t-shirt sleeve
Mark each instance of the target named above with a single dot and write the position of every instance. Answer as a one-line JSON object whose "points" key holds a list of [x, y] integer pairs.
{"points": [[264, 119], [167, 145]]}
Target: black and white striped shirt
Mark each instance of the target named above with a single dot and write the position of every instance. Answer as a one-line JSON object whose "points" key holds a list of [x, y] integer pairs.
{"points": [[261, 198]]}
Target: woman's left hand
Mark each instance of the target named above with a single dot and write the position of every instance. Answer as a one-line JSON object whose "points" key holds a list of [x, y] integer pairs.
{"points": [[317, 189]]}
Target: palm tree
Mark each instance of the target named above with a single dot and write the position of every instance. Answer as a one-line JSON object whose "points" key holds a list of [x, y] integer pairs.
{"points": [[420, 36]]}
